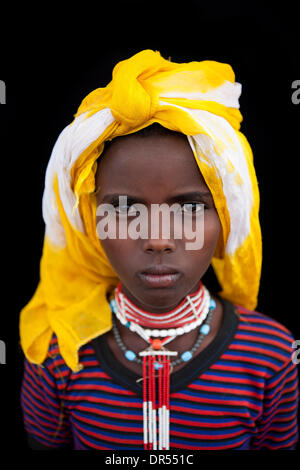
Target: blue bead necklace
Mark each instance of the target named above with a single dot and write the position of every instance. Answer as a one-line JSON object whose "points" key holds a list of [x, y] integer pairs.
{"points": [[185, 356]]}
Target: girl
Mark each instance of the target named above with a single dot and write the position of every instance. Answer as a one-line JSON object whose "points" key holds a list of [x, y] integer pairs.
{"points": [[125, 346]]}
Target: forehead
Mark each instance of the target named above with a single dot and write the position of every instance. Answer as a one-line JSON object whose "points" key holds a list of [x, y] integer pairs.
{"points": [[141, 164]]}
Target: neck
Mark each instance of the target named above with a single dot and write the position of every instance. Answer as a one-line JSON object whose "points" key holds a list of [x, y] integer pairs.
{"points": [[156, 310], [189, 310]]}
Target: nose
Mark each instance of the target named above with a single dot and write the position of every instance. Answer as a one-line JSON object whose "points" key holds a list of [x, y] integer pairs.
{"points": [[152, 245], [160, 231]]}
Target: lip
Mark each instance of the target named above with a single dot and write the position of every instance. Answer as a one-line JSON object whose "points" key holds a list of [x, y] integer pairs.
{"points": [[159, 276]]}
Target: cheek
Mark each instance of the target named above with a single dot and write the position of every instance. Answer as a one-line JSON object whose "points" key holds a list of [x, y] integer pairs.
{"points": [[212, 230], [204, 233], [121, 254], [196, 262]]}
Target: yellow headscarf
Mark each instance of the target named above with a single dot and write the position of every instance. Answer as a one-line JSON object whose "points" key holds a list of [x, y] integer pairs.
{"points": [[199, 99]]}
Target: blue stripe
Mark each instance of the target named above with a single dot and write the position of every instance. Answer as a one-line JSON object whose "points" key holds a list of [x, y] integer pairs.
{"points": [[261, 336], [95, 381], [204, 431], [107, 396], [111, 409], [254, 355], [213, 444], [103, 443], [222, 396], [107, 420]]}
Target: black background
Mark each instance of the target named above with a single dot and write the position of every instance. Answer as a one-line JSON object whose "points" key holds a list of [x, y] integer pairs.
{"points": [[52, 57]]}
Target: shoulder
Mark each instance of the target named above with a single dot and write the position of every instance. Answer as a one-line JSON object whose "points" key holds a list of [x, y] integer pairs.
{"points": [[270, 342], [55, 362]]}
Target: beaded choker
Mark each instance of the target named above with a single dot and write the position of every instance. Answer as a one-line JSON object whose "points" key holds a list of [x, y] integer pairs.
{"points": [[194, 311]]}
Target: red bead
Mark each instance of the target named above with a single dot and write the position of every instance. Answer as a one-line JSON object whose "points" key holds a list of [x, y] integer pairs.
{"points": [[156, 344]]}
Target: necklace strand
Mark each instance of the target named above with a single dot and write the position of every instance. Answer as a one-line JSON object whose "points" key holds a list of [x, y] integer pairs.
{"points": [[185, 356], [204, 319]]}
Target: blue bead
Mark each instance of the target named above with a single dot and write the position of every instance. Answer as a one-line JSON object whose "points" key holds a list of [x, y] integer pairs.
{"points": [[157, 365], [128, 324], [212, 304], [205, 329], [113, 305], [186, 356], [130, 355]]}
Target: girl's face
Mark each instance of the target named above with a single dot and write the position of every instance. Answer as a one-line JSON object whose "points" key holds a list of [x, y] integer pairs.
{"points": [[154, 170]]}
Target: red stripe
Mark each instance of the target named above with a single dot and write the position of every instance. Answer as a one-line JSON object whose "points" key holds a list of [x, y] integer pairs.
{"points": [[251, 360], [243, 369], [106, 401], [105, 388], [208, 437], [85, 374], [211, 424], [281, 333], [226, 389], [233, 380], [215, 401], [258, 350], [205, 412], [117, 414], [270, 341]]}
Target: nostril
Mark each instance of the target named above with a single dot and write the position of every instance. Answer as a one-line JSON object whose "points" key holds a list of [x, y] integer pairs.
{"points": [[152, 250]]}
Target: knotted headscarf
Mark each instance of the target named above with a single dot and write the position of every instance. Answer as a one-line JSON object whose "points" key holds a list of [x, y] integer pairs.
{"points": [[198, 99]]}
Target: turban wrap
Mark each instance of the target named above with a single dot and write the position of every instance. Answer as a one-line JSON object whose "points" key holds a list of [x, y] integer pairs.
{"points": [[198, 99]]}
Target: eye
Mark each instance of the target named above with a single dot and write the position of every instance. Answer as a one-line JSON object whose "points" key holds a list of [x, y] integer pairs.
{"points": [[126, 209], [192, 207]]}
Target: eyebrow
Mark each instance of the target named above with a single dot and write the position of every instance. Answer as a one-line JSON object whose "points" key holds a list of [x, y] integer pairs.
{"points": [[191, 195], [182, 197]]}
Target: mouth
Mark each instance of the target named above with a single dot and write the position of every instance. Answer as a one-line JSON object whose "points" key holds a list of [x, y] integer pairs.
{"points": [[159, 276]]}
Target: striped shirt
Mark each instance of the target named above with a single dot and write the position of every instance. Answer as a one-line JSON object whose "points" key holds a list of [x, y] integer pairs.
{"points": [[240, 392]]}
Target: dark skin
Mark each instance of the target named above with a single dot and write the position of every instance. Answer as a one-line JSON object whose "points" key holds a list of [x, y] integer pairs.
{"points": [[153, 170]]}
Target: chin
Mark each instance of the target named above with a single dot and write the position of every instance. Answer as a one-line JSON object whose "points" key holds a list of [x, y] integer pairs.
{"points": [[159, 298]]}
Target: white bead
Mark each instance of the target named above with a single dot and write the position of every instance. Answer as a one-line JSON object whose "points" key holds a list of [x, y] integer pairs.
{"points": [[187, 328], [155, 333], [180, 331], [172, 332], [132, 327], [148, 332], [164, 333]]}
